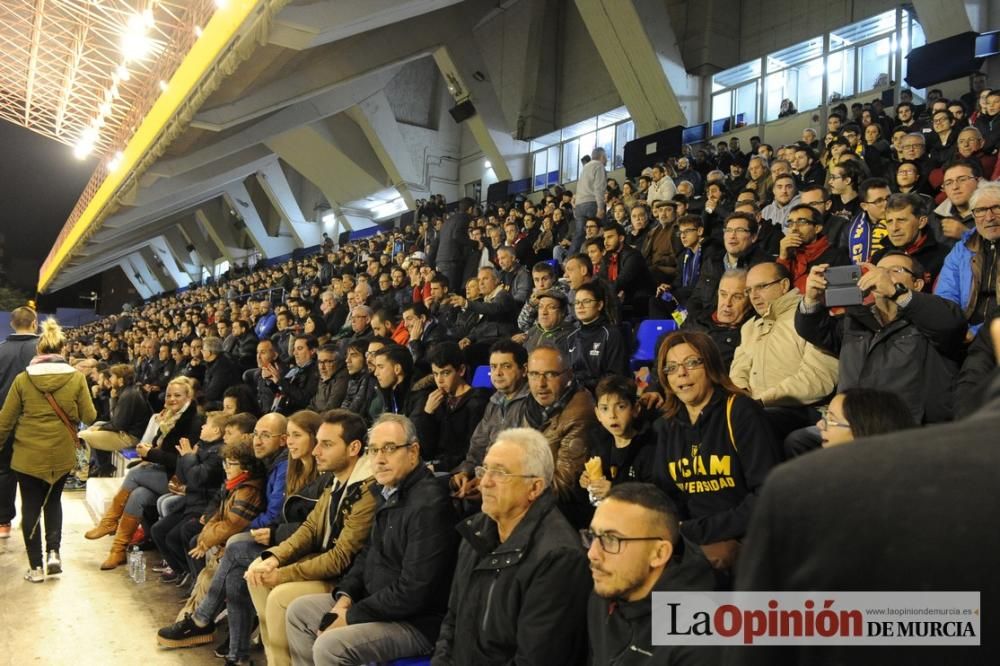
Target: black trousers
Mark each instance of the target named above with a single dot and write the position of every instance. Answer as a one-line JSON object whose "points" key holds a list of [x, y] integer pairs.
{"points": [[172, 535], [33, 497], [8, 484]]}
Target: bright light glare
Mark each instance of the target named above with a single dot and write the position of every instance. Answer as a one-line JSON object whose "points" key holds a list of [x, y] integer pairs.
{"points": [[136, 44], [329, 218], [487, 165], [123, 73], [115, 161]]}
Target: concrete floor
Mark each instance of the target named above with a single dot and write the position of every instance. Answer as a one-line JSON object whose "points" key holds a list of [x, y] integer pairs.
{"points": [[86, 616]]}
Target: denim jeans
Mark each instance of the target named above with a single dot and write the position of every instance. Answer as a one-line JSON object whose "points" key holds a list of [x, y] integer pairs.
{"points": [[229, 590], [580, 214]]}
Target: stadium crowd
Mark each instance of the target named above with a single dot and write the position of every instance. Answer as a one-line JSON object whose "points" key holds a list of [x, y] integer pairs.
{"points": [[316, 453]]}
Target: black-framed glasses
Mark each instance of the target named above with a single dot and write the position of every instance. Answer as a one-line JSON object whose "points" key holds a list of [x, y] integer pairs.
{"points": [[757, 288], [611, 543], [800, 221], [499, 475], [388, 449], [981, 211], [687, 364]]}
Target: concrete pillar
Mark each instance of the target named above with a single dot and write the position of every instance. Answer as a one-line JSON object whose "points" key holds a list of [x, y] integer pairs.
{"points": [[155, 265], [133, 276], [942, 18], [273, 181], [218, 226], [179, 275], [185, 259], [146, 275], [375, 118], [239, 200], [638, 46]]}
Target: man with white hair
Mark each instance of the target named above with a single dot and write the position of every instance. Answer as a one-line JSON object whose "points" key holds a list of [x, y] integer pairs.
{"points": [[971, 272], [521, 585]]}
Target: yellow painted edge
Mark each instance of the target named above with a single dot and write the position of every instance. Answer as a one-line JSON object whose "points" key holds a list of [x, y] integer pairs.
{"points": [[222, 28]]}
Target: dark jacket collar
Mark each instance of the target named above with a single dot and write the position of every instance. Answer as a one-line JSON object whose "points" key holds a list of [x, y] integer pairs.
{"points": [[413, 478], [481, 533]]}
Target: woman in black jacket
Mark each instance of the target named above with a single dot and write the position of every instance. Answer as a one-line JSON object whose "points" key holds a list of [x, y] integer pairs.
{"points": [[714, 446], [145, 482]]}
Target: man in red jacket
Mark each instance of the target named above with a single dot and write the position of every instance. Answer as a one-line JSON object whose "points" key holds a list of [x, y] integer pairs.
{"points": [[805, 246]]}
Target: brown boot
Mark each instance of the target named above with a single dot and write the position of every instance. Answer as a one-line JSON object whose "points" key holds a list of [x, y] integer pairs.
{"points": [[126, 527], [109, 522]]}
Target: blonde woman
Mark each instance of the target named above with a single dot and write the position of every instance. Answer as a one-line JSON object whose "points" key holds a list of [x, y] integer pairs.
{"points": [[43, 408], [148, 480]]}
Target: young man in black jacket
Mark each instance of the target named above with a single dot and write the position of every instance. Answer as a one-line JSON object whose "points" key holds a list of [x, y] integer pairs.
{"points": [[392, 600], [521, 584], [635, 548], [15, 354]]}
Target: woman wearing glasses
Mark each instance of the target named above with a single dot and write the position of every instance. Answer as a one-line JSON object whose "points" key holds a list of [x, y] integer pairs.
{"points": [[714, 446], [863, 412]]}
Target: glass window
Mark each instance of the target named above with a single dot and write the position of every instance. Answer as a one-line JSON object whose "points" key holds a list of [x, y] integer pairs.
{"points": [[571, 161], [736, 75], [553, 165], [606, 139], [875, 64], [810, 85], [539, 169], [579, 129], [624, 132], [840, 73], [722, 106], [795, 55], [862, 30], [545, 141], [780, 86], [613, 116], [746, 104]]}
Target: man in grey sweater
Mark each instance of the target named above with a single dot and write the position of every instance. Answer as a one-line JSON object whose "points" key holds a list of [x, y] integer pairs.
{"points": [[589, 199]]}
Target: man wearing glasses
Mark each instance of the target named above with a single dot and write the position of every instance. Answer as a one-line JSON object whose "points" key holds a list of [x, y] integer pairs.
{"points": [[635, 548], [563, 411], [739, 236], [804, 245], [390, 603], [780, 370], [970, 274], [332, 379], [953, 217], [520, 588]]}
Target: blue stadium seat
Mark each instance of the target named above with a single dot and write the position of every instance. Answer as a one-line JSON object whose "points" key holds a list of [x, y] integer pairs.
{"points": [[649, 333], [411, 661], [481, 378]]}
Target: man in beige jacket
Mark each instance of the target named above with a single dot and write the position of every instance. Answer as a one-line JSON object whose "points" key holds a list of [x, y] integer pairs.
{"points": [[323, 548], [780, 369]]}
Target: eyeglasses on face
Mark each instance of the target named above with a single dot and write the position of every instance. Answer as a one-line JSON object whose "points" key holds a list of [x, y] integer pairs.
{"points": [[387, 449], [877, 202], [499, 475], [585, 302], [688, 363], [982, 211], [800, 222], [736, 231], [263, 435], [757, 288], [611, 543], [952, 182], [549, 375], [828, 422]]}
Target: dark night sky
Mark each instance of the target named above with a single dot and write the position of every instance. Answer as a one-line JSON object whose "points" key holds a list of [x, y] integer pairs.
{"points": [[40, 182]]}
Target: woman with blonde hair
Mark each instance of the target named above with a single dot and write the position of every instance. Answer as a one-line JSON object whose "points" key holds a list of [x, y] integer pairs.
{"points": [[145, 482], [45, 404]]}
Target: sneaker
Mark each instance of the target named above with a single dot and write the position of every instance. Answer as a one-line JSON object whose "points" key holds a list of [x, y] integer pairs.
{"points": [[185, 634], [74, 484], [160, 567], [4, 530], [36, 575], [53, 565], [184, 580], [169, 576], [222, 649]]}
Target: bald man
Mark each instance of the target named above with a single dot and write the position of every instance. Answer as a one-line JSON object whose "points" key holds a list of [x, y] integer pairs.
{"points": [[269, 447]]}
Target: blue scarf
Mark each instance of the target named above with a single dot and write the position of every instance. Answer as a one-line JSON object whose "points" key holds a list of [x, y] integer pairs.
{"points": [[859, 239], [691, 267]]}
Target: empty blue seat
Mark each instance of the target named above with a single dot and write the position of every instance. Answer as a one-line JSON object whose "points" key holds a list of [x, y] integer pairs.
{"points": [[481, 377], [410, 661], [649, 333]]}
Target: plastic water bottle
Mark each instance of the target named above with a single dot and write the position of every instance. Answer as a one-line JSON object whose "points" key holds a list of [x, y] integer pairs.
{"points": [[133, 561], [140, 566]]}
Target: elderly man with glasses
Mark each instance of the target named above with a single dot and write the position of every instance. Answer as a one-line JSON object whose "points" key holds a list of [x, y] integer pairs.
{"points": [[520, 588], [390, 603], [970, 276]]}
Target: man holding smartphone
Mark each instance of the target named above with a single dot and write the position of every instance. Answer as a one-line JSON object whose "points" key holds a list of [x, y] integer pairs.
{"points": [[905, 341]]}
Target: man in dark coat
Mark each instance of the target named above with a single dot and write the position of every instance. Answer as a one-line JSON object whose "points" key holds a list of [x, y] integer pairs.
{"points": [[390, 603], [521, 584], [454, 244], [814, 529], [15, 354], [221, 372], [625, 575], [626, 271]]}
